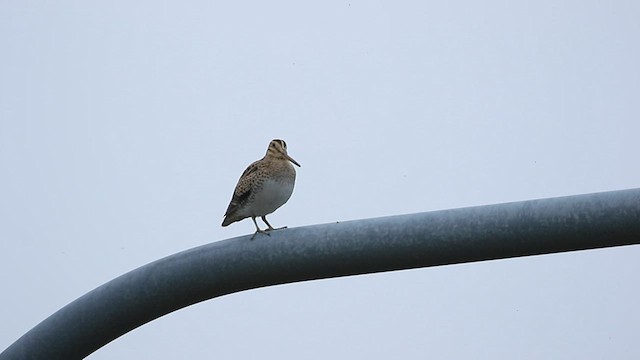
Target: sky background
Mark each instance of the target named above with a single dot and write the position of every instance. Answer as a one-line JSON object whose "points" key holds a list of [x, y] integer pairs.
{"points": [[124, 127]]}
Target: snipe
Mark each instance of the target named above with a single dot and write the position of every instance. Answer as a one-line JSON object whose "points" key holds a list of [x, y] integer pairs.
{"points": [[263, 187]]}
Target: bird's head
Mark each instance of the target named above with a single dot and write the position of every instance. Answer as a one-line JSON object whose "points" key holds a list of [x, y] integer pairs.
{"points": [[278, 149]]}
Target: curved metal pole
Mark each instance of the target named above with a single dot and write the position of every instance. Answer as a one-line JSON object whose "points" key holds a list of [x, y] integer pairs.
{"points": [[331, 250]]}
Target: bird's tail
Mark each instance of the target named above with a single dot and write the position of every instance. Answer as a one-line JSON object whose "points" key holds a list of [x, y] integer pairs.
{"points": [[228, 220]]}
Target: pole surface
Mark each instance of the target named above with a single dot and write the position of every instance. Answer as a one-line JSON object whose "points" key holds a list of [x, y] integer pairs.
{"points": [[331, 250]]}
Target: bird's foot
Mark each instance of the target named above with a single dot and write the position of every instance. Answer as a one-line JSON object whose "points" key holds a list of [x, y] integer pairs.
{"points": [[261, 232], [271, 228]]}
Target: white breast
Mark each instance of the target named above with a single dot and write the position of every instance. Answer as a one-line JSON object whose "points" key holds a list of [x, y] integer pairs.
{"points": [[270, 196]]}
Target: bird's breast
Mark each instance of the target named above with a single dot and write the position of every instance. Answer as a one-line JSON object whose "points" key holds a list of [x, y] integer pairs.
{"points": [[270, 195]]}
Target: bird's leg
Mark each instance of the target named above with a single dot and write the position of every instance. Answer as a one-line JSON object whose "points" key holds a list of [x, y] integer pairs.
{"points": [[258, 228], [264, 218]]}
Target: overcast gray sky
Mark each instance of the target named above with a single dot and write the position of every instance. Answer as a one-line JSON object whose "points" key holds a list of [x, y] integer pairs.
{"points": [[124, 127]]}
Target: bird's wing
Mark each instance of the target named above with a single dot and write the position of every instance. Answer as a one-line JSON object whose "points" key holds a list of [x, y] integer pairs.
{"points": [[243, 188]]}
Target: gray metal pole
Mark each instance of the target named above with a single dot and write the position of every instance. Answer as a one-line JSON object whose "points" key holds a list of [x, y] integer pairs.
{"points": [[331, 250]]}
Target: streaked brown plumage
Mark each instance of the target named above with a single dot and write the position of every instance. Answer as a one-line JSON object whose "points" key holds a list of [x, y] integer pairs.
{"points": [[263, 187]]}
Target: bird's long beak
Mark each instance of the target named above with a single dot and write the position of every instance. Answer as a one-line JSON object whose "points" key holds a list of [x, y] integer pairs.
{"points": [[293, 161]]}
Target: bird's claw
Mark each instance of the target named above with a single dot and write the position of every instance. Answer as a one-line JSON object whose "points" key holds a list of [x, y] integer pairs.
{"points": [[261, 232]]}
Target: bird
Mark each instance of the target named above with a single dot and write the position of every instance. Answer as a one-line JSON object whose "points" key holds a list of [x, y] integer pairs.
{"points": [[263, 187]]}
